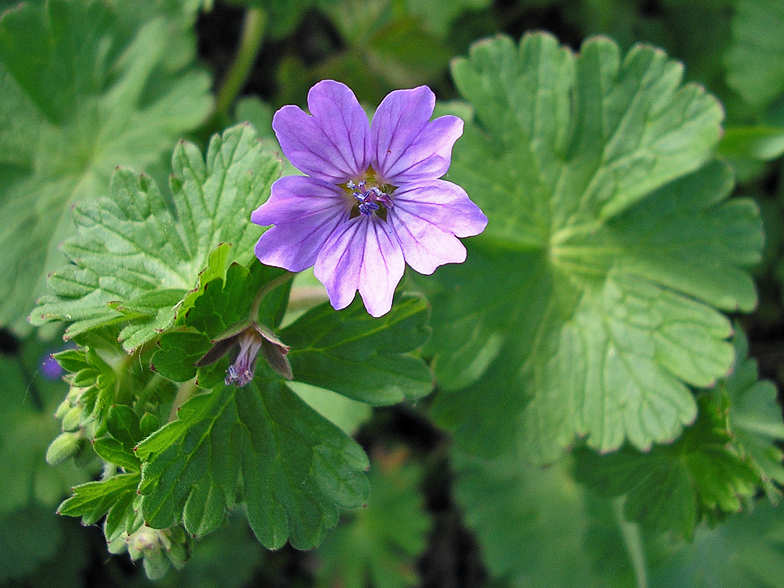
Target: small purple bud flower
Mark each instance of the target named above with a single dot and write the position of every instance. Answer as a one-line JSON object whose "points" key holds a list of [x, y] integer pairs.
{"points": [[50, 369], [252, 340], [372, 199]]}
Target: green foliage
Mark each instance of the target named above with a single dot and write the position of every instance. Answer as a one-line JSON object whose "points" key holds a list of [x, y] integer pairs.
{"points": [[361, 357], [755, 56], [134, 258], [673, 487], [296, 468], [537, 528], [713, 469], [589, 304], [378, 544], [744, 552], [754, 419], [83, 89]]}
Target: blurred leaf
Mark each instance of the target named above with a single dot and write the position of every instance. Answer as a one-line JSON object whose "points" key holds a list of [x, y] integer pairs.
{"points": [[29, 401], [589, 304], [296, 469], [754, 59], [537, 528], [747, 551], [379, 544], [755, 142], [359, 356], [228, 558], [134, 259], [437, 15], [28, 537], [83, 90]]}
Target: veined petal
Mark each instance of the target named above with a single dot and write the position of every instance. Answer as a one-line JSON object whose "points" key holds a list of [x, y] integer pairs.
{"points": [[361, 255], [406, 147], [425, 246], [334, 143], [294, 197], [305, 212], [442, 204]]}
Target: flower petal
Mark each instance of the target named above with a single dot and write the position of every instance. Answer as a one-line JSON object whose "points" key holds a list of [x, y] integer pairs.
{"points": [[406, 147], [333, 144], [305, 212], [443, 204], [361, 255], [425, 246]]}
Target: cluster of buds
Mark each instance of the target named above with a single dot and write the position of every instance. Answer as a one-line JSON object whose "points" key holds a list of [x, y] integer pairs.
{"points": [[159, 549], [77, 430]]}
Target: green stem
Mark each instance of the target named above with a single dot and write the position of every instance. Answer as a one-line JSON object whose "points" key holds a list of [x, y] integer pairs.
{"points": [[632, 540], [253, 30], [149, 389], [183, 394], [123, 390], [266, 289]]}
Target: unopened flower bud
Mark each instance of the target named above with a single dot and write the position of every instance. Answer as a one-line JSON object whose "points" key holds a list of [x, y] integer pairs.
{"points": [[72, 419], [63, 448]]}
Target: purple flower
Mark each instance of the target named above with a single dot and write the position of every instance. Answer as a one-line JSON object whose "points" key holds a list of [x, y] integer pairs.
{"points": [[251, 338], [372, 199]]}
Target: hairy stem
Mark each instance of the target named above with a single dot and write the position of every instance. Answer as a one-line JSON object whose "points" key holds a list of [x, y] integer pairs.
{"points": [[149, 389], [632, 540], [253, 30], [266, 289], [183, 394]]}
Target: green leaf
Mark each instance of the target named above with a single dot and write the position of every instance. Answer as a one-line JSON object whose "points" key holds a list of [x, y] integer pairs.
{"points": [[589, 305], [755, 56], [754, 419], [754, 142], [123, 424], [744, 552], [218, 308], [673, 487], [112, 451], [383, 541], [361, 357], [132, 247], [296, 469], [82, 90], [540, 529], [94, 499], [347, 414]]}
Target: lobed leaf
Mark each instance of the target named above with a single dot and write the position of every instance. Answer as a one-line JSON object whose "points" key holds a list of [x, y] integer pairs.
{"points": [[84, 88], [134, 259], [293, 469], [674, 487], [591, 302]]}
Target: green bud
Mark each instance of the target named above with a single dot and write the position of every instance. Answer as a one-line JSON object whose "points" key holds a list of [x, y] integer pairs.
{"points": [[64, 407], [72, 419], [63, 448]]}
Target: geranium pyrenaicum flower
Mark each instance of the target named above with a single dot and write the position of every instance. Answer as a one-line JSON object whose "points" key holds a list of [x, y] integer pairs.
{"points": [[372, 199]]}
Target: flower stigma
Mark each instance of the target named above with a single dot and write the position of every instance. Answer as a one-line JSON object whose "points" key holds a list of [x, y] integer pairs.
{"points": [[369, 198]]}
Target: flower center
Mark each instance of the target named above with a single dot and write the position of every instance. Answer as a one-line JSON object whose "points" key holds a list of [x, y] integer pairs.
{"points": [[369, 197]]}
